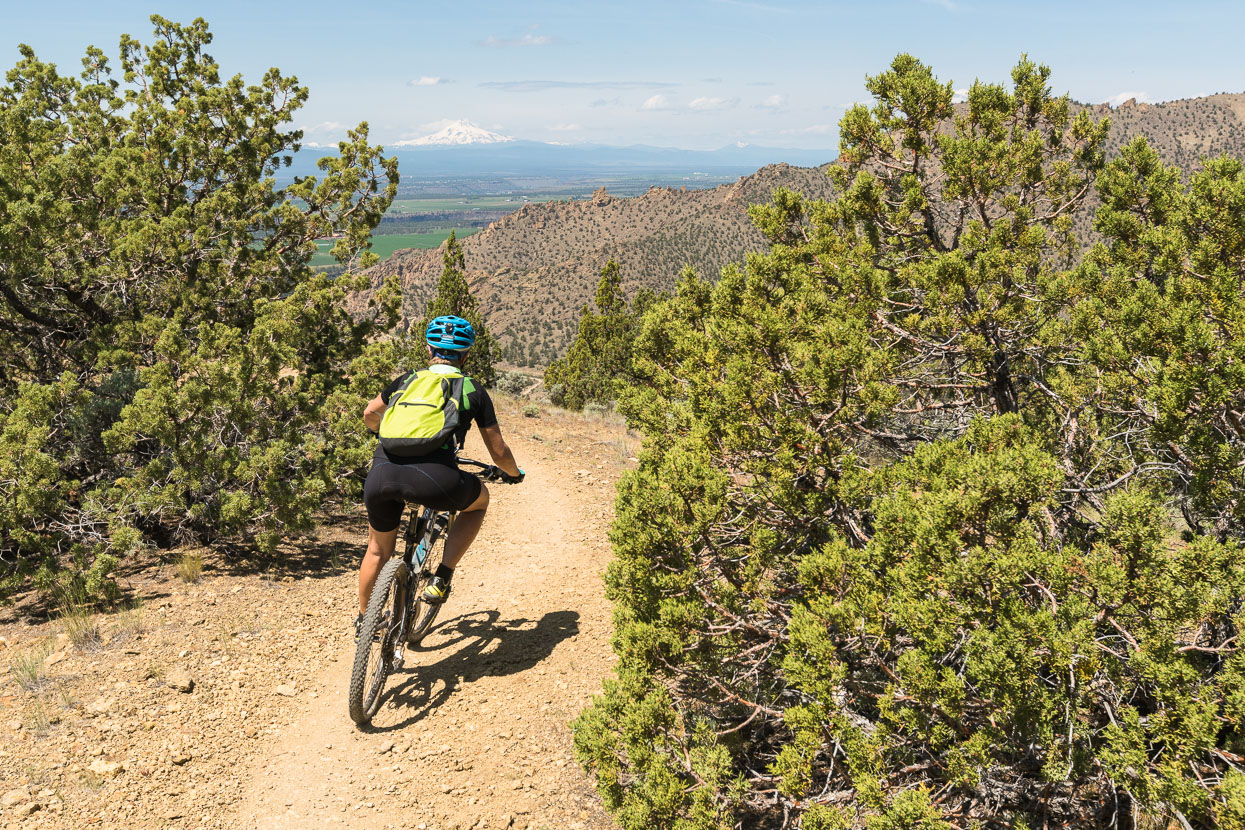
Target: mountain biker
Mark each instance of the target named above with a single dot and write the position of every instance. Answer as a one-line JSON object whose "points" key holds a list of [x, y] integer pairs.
{"points": [[432, 480]]}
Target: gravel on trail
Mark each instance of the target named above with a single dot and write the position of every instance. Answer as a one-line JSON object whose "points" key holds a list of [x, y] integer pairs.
{"points": [[223, 703]]}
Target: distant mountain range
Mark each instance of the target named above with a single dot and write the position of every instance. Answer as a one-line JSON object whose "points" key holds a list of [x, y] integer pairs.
{"points": [[462, 149]]}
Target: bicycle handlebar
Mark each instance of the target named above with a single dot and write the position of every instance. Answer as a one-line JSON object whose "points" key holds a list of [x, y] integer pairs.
{"points": [[491, 472]]}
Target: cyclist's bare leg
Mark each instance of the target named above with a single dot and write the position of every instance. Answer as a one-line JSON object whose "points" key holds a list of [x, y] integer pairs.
{"points": [[463, 531], [379, 548]]}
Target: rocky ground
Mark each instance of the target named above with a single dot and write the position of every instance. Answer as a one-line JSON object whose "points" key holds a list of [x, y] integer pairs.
{"points": [[222, 702]]}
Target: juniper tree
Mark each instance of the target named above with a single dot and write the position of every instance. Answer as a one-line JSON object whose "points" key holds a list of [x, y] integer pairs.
{"points": [[170, 366], [901, 548], [597, 365], [454, 297]]}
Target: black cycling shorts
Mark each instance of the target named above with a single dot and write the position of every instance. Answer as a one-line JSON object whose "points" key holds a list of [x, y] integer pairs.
{"points": [[390, 486]]}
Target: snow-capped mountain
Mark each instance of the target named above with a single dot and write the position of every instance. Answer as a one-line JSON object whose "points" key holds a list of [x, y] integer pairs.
{"points": [[455, 133], [463, 149]]}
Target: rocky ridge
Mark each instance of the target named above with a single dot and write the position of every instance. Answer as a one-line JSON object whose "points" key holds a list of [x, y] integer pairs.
{"points": [[534, 269]]}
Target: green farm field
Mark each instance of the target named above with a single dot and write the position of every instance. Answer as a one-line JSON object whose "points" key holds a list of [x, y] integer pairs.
{"points": [[384, 246], [469, 203]]}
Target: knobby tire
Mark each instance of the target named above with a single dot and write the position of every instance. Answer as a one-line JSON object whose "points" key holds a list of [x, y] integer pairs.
{"points": [[373, 659]]}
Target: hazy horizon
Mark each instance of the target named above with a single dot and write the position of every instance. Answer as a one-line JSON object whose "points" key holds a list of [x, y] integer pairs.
{"points": [[699, 75]]}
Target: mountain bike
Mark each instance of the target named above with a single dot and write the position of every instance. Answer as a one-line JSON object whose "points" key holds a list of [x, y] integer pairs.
{"points": [[397, 615]]}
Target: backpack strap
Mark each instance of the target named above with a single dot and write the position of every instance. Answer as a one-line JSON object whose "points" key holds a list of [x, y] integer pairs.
{"points": [[406, 381], [453, 387]]}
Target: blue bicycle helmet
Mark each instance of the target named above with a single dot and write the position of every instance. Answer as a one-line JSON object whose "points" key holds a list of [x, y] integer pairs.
{"points": [[450, 334]]}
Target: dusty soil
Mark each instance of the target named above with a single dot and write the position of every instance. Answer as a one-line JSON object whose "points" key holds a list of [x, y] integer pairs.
{"points": [[223, 703]]}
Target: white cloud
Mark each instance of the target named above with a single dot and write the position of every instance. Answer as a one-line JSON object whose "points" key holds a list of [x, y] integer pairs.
{"points": [[657, 103], [327, 133], [949, 5], [773, 102], [545, 86], [1119, 98], [607, 102], [813, 129], [959, 96], [705, 104], [565, 128], [428, 80], [526, 40]]}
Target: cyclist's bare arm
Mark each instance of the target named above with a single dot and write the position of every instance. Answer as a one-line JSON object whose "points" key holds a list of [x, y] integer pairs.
{"points": [[499, 450], [372, 412]]}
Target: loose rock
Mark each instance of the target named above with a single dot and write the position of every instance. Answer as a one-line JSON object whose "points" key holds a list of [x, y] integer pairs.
{"points": [[106, 769], [180, 679], [100, 705]]}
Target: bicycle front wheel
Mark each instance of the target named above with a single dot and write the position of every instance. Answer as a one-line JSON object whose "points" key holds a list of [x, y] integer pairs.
{"points": [[379, 634]]}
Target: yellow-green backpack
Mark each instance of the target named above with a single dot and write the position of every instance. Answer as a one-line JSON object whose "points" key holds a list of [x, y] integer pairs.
{"points": [[423, 414]]}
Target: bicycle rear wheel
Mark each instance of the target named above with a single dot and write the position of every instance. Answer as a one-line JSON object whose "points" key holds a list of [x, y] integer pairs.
{"points": [[379, 634]]}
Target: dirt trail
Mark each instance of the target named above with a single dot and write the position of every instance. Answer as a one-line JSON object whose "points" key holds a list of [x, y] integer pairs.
{"points": [[222, 703], [473, 733]]}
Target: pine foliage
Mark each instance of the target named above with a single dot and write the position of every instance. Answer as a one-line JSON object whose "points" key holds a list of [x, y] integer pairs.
{"points": [[597, 366], [937, 523], [454, 297], [170, 367]]}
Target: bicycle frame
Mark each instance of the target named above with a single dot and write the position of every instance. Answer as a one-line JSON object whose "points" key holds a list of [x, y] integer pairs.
{"points": [[427, 529]]}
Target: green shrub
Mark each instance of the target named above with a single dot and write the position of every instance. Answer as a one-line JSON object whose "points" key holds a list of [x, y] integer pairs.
{"points": [[598, 363], [513, 383], [902, 548], [171, 368]]}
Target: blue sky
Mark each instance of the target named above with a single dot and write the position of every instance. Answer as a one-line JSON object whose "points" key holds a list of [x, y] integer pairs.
{"points": [[680, 73]]}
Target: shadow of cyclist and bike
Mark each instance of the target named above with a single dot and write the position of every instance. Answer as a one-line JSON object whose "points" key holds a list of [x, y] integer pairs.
{"points": [[471, 647]]}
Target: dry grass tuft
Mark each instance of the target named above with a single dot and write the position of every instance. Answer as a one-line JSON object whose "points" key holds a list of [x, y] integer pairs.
{"points": [[130, 622], [82, 627], [79, 621], [27, 669], [190, 566]]}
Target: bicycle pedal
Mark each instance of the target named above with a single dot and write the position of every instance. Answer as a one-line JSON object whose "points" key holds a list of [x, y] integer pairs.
{"points": [[399, 655]]}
